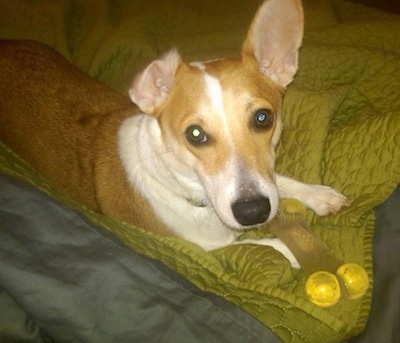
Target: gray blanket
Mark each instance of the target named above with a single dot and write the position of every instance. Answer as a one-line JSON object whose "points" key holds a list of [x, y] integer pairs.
{"points": [[62, 279]]}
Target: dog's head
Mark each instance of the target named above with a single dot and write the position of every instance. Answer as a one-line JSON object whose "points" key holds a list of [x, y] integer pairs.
{"points": [[221, 119]]}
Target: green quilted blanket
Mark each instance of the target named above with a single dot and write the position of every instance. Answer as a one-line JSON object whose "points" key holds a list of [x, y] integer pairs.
{"points": [[342, 128]]}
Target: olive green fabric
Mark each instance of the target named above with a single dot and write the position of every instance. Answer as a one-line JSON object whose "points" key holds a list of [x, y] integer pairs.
{"points": [[64, 279], [342, 124]]}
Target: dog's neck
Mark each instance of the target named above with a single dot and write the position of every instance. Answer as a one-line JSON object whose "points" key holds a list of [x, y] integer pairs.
{"points": [[177, 197]]}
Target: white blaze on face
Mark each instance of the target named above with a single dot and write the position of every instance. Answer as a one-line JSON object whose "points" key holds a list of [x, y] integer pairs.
{"points": [[214, 91], [220, 187], [231, 180]]}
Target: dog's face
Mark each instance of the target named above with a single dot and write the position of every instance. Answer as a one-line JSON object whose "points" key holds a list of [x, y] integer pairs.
{"points": [[220, 120], [225, 131]]}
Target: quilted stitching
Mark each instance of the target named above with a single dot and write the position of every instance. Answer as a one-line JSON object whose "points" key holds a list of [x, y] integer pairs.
{"points": [[342, 128]]}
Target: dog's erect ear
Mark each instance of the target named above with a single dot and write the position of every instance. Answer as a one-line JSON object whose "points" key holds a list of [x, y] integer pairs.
{"points": [[274, 39], [152, 86]]}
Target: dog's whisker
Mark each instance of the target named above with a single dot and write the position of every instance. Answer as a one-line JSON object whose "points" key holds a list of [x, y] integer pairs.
{"points": [[280, 216], [217, 189], [142, 161]]}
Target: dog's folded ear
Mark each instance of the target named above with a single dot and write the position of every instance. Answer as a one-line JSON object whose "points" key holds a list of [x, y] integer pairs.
{"points": [[274, 39], [152, 86]]}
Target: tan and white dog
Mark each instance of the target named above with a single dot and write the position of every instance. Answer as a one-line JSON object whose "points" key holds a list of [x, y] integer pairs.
{"points": [[193, 158]]}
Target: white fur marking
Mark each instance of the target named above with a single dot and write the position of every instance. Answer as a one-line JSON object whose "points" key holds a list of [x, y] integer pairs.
{"points": [[214, 91], [151, 170], [323, 200]]}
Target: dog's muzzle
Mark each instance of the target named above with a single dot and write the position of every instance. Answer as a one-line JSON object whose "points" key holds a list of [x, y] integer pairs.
{"points": [[251, 211]]}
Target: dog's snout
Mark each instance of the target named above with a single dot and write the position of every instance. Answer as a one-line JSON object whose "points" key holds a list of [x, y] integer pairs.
{"points": [[251, 211]]}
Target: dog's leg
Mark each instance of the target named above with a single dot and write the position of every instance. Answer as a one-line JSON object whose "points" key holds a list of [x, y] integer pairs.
{"points": [[277, 244], [323, 200]]}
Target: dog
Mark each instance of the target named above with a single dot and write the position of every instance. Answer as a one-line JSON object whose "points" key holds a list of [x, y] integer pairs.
{"points": [[191, 153]]}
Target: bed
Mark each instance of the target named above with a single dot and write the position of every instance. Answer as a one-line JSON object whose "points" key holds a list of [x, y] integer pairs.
{"points": [[68, 274]]}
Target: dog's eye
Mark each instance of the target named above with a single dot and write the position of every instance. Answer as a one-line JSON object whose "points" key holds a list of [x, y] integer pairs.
{"points": [[195, 135], [263, 118]]}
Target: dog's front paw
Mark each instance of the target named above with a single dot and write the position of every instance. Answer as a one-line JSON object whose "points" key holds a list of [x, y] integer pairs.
{"points": [[324, 200]]}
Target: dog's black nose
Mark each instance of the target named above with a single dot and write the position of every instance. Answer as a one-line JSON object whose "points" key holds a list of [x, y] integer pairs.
{"points": [[251, 211]]}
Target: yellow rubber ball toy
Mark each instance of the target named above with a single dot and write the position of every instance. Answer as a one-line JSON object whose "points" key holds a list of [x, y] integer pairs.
{"points": [[355, 280], [323, 289]]}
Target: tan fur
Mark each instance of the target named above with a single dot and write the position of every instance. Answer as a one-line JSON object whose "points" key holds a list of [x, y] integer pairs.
{"points": [[246, 91], [241, 79], [64, 124], [141, 164]]}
